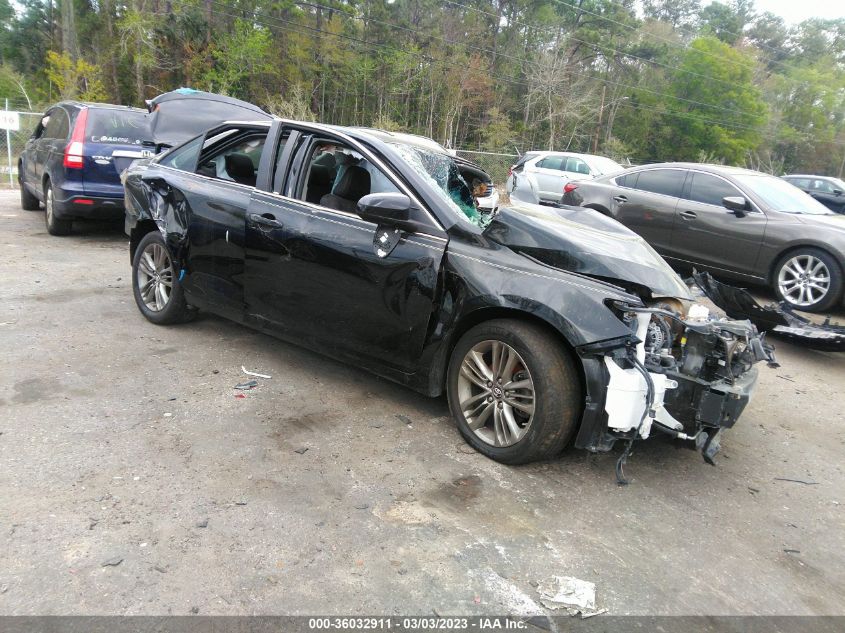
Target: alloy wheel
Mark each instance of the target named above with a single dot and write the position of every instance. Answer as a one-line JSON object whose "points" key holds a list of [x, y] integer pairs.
{"points": [[155, 277], [496, 393], [804, 280]]}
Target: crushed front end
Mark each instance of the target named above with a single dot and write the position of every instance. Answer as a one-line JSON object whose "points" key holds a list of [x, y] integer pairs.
{"points": [[686, 376]]}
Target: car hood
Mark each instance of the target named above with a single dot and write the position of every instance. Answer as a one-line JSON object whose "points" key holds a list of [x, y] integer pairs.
{"points": [[834, 221], [585, 242]]}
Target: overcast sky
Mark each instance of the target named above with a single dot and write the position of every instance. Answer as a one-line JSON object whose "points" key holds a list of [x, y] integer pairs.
{"points": [[795, 11]]}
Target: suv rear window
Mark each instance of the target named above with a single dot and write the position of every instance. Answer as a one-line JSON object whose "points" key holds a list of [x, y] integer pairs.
{"points": [[120, 127]]}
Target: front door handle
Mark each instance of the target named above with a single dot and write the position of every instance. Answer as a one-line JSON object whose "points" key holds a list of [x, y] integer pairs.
{"points": [[688, 215], [621, 199], [265, 220]]}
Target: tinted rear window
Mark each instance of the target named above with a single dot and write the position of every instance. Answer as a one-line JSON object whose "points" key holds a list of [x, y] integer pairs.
{"points": [[665, 181], [120, 127]]}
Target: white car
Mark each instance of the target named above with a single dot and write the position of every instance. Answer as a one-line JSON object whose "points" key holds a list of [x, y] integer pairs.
{"points": [[541, 176]]}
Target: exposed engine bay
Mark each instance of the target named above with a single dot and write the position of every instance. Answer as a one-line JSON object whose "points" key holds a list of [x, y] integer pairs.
{"points": [[688, 377]]}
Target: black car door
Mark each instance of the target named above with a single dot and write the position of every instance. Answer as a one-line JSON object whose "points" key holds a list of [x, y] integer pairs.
{"points": [[708, 234], [314, 273], [828, 194], [210, 192], [645, 203]]}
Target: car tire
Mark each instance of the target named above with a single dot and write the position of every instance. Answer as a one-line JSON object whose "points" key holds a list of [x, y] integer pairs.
{"points": [[533, 360], [28, 201], [55, 226], [801, 275], [155, 283]]}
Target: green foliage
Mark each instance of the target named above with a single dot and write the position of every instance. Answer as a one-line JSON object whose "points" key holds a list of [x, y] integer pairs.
{"points": [[75, 79], [678, 79], [718, 109]]}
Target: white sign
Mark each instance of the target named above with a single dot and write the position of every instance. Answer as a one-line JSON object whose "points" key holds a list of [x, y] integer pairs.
{"points": [[9, 121]]}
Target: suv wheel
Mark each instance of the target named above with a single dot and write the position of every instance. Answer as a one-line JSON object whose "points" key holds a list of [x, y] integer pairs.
{"points": [[514, 391], [155, 283], [28, 201], [808, 279], [55, 226]]}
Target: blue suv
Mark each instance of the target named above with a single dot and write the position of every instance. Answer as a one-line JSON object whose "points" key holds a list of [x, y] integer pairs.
{"points": [[72, 162]]}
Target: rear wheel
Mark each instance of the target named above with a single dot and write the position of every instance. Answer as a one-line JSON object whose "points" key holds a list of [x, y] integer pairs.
{"points": [[514, 391], [55, 226], [808, 279], [155, 283]]}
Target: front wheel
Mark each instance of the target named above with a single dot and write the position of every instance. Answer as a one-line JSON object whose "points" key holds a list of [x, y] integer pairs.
{"points": [[28, 201], [155, 283], [514, 391], [808, 279]]}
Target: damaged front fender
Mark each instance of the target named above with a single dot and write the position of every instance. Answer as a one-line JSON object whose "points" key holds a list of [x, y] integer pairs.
{"points": [[688, 378]]}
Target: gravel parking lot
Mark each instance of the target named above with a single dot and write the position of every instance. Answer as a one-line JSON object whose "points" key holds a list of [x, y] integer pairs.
{"points": [[134, 481]]}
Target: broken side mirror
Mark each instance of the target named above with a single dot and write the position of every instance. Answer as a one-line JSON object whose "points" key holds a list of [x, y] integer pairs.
{"points": [[386, 209], [737, 204]]}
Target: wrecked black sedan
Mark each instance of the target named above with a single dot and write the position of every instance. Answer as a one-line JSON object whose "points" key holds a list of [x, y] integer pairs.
{"points": [[539, 324]]}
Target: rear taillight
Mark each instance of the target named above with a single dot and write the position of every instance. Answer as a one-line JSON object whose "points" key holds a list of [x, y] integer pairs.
{"points": [[510, 171], [74, 152], [570, 186]]}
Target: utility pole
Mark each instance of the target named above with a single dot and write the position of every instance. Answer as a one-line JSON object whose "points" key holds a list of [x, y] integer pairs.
{"points": [[598, 125]]}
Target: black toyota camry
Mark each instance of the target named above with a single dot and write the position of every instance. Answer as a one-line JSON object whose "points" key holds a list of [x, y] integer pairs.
{"points": [[539, 324]]}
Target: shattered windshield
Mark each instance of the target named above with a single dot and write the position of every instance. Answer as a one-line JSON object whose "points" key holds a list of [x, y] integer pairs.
{"points": [[442, 172]]}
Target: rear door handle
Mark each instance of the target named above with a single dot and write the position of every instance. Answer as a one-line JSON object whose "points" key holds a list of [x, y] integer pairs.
{"points": [[265, 220], [689, 215], [620, 199]]}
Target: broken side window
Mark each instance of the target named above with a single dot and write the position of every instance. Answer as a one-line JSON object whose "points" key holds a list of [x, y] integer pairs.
{"points": [[446, 180]]}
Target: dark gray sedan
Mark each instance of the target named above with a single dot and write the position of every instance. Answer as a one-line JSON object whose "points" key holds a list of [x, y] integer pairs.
{"points": [[733, 222]]}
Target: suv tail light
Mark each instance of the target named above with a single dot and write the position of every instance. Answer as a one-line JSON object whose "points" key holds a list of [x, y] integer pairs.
{"points": [[74, 157], [570, 186]]}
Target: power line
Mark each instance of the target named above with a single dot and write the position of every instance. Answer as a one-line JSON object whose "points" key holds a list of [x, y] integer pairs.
{"points": [[535, 65], [601, 49], [295, 26], [665, 39]]}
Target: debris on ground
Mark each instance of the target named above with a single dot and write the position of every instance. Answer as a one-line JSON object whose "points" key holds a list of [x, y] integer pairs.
{"points": [[113, 562], [404, 418], [797, 481], [202, 523], [566, 592], [781, 320], [252, 373], [160, 569], [195, 610], [240, 395], [301, 451], [362, 506], [246, 386]]}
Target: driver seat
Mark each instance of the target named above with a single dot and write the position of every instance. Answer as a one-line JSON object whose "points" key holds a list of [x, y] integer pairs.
{"points": [[353, 185]]}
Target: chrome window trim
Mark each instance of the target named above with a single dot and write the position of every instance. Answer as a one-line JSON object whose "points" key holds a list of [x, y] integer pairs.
{"points": [[755, 208]]}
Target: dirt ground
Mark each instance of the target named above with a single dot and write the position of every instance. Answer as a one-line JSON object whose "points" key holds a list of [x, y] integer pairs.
{"points": [[133, 481]]}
